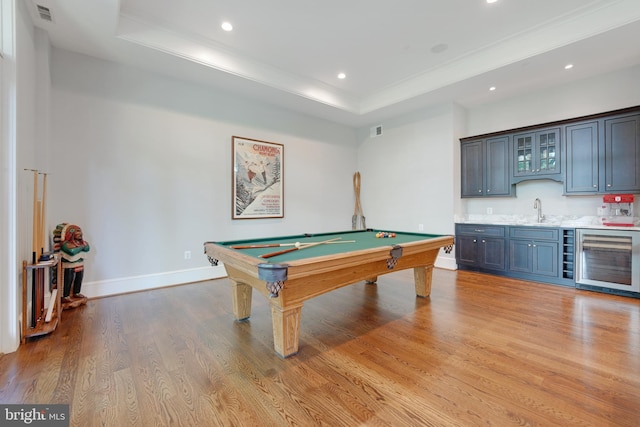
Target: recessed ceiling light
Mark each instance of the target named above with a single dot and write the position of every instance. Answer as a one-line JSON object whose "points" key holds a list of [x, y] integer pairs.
{"points": [[342, 76], [492, 88], [491, 1], [227, 26], [568, 66]]}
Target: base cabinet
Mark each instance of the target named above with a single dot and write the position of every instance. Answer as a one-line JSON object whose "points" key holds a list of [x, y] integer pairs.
{"points": [[481, 246], [534, 251], [531, 253]]}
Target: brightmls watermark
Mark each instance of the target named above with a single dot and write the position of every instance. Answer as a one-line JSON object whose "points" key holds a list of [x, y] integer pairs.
{"points": [[34, 415]]}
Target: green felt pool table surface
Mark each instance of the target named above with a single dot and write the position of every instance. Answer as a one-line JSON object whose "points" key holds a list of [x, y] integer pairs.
{"points": [[348, 241]]}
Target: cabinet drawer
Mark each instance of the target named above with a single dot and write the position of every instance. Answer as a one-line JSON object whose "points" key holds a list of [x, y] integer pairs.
{"points": [[534, 233], [484, 229]]}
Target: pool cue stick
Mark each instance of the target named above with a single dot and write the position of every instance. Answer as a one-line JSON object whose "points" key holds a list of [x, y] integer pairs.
{"points": [[43, 205], [34, 245], [277, 245], [266, 245], [296, 248], [41, 228]]}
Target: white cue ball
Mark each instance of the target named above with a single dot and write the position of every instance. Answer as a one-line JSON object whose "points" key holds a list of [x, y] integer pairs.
{"points": [[297, 244]]}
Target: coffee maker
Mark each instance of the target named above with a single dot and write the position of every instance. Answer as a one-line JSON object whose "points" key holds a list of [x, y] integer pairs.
{"points": [[617, 209]]}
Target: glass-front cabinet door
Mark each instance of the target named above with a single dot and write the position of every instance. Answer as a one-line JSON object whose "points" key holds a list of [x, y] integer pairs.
{"points": [[537, 154], [547, 150], [524, 153]]}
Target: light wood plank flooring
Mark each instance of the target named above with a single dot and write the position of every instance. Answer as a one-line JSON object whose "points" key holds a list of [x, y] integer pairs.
{"points": [[481, 350]]}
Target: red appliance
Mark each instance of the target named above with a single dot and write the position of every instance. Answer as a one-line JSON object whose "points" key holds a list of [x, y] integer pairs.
{"points": [[617, 210]]}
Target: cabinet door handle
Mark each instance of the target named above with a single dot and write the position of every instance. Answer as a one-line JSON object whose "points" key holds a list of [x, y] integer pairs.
{"points": [[484, 241], [608, 185], [475, 240], [488, 190], [529, 245], [595, 185]]}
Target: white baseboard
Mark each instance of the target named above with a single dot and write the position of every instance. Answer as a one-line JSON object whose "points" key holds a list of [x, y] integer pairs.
{"points": [[125, 285], [447, 263]]}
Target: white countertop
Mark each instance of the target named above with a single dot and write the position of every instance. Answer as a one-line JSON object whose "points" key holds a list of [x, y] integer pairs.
{"points": [[568, 221]]}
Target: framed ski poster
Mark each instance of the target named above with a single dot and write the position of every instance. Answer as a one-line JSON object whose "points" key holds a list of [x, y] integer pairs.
{"points": [[258, 187]]}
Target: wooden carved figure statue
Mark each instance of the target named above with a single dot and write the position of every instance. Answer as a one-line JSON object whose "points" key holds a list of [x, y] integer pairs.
{"points": [[69, 242]]}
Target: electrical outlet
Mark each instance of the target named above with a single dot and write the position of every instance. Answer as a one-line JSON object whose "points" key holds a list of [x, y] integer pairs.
{"points": [[489, 211], [420, 227], [187, 254]]}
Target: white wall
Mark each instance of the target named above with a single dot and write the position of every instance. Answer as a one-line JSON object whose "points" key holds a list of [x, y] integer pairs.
{"points": [[20, 115], [598, 94], [143, 164], [407, 174], [9, 261]]}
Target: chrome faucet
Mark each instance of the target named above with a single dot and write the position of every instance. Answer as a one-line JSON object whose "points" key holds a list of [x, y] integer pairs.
{"points": [[537, 204]]}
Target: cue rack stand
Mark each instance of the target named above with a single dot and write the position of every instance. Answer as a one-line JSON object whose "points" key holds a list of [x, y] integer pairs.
{"points": [[40, 320]]}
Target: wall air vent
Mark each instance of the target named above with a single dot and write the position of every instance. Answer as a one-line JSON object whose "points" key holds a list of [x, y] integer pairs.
{"points": [[376, 131], [44, 12]]}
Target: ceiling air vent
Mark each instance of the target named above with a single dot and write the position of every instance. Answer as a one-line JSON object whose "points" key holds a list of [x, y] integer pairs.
{"points": [[376, 131], [44, 12]]}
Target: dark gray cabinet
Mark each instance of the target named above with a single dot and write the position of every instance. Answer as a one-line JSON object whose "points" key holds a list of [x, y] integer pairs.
{"points": [[622, 154], [542, 254], [582, 158], [593, 154], [485, 168], [481, 246], [603, 156], [536, 155], [534, 250]]}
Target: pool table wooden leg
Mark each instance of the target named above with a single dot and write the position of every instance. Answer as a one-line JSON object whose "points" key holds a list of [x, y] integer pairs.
{"points": [[286, 329], [422, 278], [241, 294]]}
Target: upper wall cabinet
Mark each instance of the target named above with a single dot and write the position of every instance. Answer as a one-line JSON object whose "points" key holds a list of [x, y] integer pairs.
{"points": [[591, 155], [582, 158], [621, 154], [603, 156], [537, 155], [485, 167]]}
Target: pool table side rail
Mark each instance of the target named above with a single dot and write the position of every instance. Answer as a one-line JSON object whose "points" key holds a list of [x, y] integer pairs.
{"points": [[318, 265]]}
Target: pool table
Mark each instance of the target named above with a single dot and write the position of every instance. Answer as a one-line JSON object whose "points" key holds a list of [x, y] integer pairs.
{"points": [[318, 264]]}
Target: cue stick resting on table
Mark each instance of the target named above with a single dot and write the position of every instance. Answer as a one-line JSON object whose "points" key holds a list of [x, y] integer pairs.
{"points": [[277, 245], [295, 248]]}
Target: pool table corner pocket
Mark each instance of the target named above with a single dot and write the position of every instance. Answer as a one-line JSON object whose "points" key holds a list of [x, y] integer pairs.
{"points": [[274, 275]]}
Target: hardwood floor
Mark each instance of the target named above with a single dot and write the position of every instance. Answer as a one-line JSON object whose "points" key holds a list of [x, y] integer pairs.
{"points": [[481, 350]]}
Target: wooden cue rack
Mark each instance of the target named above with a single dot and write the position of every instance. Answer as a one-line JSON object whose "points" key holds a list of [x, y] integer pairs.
{"points": [[54, 311]]}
